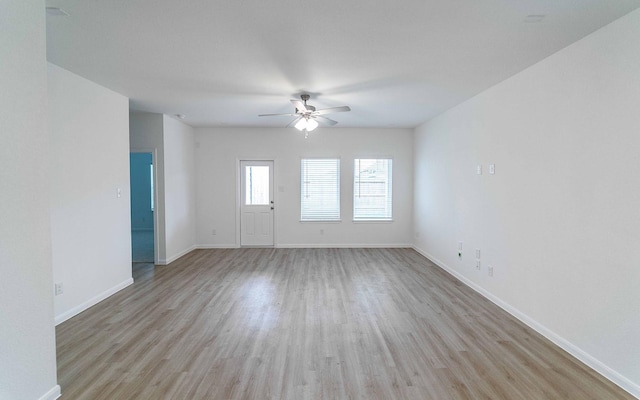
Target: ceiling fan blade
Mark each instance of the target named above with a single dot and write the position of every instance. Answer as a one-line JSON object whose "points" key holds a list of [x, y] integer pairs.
{"points": [[277, 115], [332, 110], [326, 120], [299, 105], [292, 123]]}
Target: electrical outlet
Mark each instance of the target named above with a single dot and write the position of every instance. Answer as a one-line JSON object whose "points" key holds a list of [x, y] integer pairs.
{"points": [[59, 289], [478, 254], [490, 268], [478, 265], [492, 169]]}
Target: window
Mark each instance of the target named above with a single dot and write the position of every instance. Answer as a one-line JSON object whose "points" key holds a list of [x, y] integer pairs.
{"points": [[320, 189], [372, 190]]}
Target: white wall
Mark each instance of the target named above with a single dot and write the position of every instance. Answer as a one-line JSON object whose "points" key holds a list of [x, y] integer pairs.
{"points": [[27, 336], [174, 145], [559, 221], [219, 149], [180, 191], [90, 224]]}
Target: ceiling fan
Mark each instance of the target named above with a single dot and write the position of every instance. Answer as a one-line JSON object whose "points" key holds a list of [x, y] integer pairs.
{"points": [[307, 115]]}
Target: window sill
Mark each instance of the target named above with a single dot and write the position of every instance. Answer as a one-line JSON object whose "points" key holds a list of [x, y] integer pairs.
{"points": [[372, 221], [324, 221]]}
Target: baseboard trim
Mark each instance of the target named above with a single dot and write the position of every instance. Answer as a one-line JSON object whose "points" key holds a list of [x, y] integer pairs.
{"points": [[345, 246], [592, 362], [317, 246], [216, 246], [52, 394], [176, 256], [92, 301]]}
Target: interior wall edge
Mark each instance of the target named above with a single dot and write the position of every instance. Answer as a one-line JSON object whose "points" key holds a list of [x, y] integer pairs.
{"points": [[92, 302], [587, 359], [177, 255]]}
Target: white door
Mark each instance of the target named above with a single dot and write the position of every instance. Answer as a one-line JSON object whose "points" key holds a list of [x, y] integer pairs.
{"points": [[256, 203]]}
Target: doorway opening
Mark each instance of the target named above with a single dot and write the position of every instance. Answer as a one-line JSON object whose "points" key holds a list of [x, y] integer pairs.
{"points": [[142, 208]]}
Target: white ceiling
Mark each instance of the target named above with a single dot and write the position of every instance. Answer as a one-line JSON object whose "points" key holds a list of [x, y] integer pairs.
{"points": [[396, 63]]}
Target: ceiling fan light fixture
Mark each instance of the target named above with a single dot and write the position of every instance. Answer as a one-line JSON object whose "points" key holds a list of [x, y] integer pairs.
{"points": [[311, 124], [306, 115], [300, 125]]}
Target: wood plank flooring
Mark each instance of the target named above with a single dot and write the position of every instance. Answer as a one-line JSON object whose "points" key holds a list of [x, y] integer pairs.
{"points": [[310, 324]]}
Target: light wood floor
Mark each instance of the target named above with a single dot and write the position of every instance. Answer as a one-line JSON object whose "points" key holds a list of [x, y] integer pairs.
{"points": [[310, 324]]}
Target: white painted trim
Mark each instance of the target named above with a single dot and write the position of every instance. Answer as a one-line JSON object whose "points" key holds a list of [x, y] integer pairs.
{"points": [[92, 301], [217, 246], [237, 203], [592, 362], [238, 206], [346, 246], [176, 256], [315, 246], [52, 394]]}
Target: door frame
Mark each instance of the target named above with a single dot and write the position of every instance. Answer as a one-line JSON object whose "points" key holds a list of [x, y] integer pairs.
{"points": [[154, 158], [239, 197]]}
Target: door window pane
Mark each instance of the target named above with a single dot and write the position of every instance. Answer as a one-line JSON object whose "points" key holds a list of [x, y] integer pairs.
{"points": [[257, 185]]}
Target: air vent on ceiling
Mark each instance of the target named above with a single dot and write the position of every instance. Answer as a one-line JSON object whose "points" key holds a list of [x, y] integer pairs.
{"points": [[534, 18]]}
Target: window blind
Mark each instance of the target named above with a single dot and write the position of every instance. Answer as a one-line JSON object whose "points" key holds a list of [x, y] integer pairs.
{"points": [[320, 189], [372, 190]]}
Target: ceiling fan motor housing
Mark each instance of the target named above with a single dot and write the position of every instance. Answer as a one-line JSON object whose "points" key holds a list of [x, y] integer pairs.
{"points": [[309, 109], [306, 113]]}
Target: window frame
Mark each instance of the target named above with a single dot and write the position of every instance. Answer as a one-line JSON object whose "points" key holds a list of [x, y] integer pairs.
{"points": [[305, 217], [388, 217]]}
